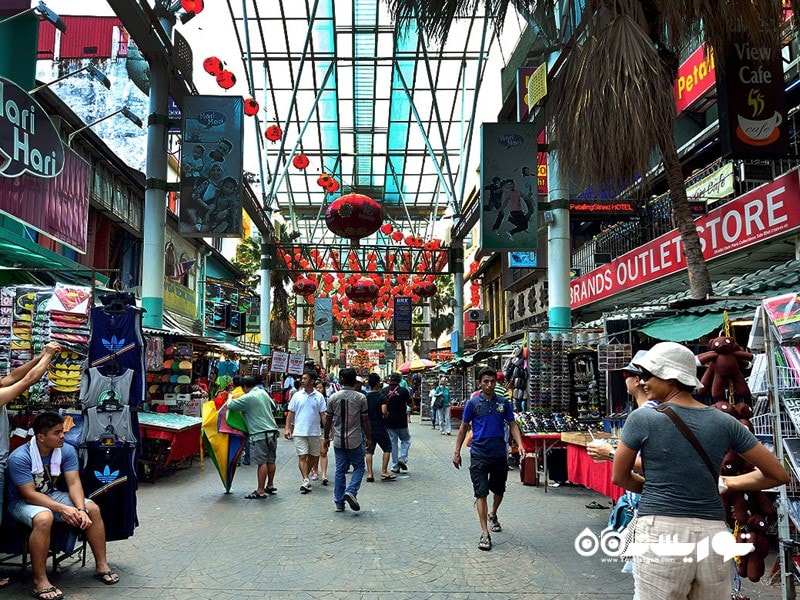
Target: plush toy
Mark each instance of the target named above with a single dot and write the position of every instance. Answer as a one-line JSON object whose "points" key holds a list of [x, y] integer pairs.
{"points": [[725, 361]]}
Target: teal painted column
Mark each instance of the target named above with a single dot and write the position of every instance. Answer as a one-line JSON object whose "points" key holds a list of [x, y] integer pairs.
{"points": [[19, 41], [155, 204], [265, 309], [457, 257], [558, 248]]}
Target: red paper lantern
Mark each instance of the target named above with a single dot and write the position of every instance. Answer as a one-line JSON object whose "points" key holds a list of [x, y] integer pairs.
{"points": [[363, 290], [354, 216], [213, 66], [424, 289], [332, 186], [192, 6], [226, 80], [273, 133], [386, 228], [305, 286], [250, 107], [323, 180], [360, 312], [397, 236], [300, 161]]}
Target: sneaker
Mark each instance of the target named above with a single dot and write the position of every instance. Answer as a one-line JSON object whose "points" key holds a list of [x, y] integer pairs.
{"points": [[395, 469], [403, 466], [351, 500], [339, 508], [325, 481], [306, 487]]}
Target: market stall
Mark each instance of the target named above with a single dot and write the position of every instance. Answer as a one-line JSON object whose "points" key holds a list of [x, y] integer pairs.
{"points": [[167, 439]]}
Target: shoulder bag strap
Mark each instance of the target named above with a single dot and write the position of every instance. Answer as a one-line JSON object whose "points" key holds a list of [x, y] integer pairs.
{"points": [[687, 433]]}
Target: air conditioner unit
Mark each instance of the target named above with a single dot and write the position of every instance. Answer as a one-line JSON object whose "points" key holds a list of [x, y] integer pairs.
{"points": [[476, 315], [484, 330]]}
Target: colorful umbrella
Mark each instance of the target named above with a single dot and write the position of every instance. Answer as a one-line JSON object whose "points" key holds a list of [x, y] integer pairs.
{"points": [[418, 364], [224, 437]]}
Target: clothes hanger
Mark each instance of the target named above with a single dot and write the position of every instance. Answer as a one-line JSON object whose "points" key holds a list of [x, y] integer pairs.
{"points": [[111, 368], [110, 402]]}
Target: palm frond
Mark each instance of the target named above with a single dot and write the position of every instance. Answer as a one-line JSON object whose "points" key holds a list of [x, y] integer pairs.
{"points": [[613, 103]]}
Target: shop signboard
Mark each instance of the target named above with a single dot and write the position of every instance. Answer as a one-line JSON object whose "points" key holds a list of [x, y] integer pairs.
{"points": [[180, 299], [254, 315], [600, 210], [211, 166], [752, 101], [763, 213], [323, 319], [509, 187], [522, 260], [224, 304], [716, 185], [524, 75], [296, 362], [279, 362], [695, 78], [29, 142], [403, 309]]}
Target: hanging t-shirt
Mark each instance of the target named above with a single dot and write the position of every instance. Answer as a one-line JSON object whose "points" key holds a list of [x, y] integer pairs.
{"points": [[97, 388], [227, 368], [118, 336], [109, 479], [111, 422]]}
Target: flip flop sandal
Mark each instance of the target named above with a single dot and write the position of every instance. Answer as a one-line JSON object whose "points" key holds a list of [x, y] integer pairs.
{"points": [[107, 577], [596, 505], [370, 479], [256, 496], [388, 478], [485, 542], [494, 524], [43, 592]]}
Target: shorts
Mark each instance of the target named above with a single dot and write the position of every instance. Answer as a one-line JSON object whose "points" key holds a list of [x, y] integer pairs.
{"points": [[24, 512], [265, 451], [306, 444], [380, 438], [488, 474]]}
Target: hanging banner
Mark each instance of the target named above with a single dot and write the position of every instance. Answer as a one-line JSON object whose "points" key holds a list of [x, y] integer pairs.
{"points": [[752, 101], [211, 166], [524, 75], [509, 187], [279, 362], [296, 362], [323, 319], [403, 309]]}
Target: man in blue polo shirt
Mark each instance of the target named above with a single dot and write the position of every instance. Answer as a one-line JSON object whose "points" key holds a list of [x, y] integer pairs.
{"points": [[487, 413]]}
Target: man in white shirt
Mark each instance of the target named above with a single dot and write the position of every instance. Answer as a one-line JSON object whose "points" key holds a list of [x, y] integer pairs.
{"points": [[305, 414]]}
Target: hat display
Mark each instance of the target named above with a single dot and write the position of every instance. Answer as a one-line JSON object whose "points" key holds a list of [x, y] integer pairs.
{"points": [[184, 379], [168, 364], [670, 360], [185, 365]]}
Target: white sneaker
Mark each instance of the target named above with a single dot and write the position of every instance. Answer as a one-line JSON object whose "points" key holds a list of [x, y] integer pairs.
{"points": [[306, 487]]}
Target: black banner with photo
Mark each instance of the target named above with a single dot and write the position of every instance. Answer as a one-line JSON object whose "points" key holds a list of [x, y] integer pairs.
{"points": [[211, 167]]}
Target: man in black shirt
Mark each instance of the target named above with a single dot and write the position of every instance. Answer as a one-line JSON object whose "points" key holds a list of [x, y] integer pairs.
{"points": [[380, 437], [396, 400]]}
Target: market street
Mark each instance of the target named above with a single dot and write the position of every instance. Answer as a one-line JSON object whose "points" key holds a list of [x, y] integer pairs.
{"points": [[413, 538]]}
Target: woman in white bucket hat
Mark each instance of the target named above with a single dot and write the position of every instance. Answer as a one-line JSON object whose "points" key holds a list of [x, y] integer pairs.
{"points": [[679, 494]]}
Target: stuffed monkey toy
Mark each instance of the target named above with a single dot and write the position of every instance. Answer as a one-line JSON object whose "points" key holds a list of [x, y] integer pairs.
{"points": [[725, 361]]}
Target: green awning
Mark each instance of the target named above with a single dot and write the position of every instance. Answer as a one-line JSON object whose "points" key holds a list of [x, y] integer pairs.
{"points": [[684, 328]]}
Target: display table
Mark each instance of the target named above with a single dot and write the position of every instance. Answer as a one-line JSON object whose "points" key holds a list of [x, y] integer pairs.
{"points": [[581, 469], [456, 412], [537, 444], [174, 438]]}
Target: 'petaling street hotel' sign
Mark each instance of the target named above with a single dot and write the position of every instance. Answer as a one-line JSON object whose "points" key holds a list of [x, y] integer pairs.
{"points": [[29, 142]]}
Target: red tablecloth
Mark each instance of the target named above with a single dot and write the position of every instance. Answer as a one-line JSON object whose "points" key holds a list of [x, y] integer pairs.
{"points": [[584, 471], [456, 412], [533, 442], [183, 443]]}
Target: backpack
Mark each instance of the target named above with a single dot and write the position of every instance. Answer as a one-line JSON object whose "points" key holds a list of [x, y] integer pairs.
{"points": [[622, 513]]}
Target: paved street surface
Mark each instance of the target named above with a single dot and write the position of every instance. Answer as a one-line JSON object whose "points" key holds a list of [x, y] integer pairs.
{"points": [[413, 538]]}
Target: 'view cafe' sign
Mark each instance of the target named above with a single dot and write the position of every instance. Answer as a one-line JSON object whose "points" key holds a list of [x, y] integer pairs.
{"points": [[755, 217], [29, 142]]}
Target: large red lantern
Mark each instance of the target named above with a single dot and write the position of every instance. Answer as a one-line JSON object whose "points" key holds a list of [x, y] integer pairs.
{"points": [[386, 228], [273, 133], [354, 216], [300, 161], [226, 80], [360, 312], [192, 6], [332, 186], [305, 286], [213, 66], [397, 236], [250, 107], [424, 289], [363, 290]]}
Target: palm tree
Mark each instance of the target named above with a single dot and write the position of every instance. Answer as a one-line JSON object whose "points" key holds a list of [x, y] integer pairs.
{"points": [[248, 260], [612, 105]]}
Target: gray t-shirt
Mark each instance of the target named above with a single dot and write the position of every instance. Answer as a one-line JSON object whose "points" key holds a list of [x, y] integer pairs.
{"points": [[677, 481], [344, 409]]}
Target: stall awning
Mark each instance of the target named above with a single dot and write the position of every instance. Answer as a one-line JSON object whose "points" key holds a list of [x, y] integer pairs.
{"points": [[227, 347], [173, 325], [683, 328], [495, 351]]}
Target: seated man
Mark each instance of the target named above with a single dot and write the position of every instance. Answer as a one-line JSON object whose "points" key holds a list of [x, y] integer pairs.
{"points": [[34, 470]]}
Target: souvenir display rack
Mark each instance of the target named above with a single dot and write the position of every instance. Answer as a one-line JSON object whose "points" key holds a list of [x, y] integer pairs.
{"points": [[548, 371]]}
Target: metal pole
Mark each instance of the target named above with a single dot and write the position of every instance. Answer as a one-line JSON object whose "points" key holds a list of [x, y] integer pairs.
{"points": [[155, 205], [264, 327], [558, 248], [458, 309]]}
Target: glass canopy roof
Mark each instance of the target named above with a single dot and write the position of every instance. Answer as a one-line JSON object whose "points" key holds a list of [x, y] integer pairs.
{"points": [[388, 114]]}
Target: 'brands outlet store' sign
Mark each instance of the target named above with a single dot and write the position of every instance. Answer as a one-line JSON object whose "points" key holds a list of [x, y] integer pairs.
{"points": [[763, 213]]}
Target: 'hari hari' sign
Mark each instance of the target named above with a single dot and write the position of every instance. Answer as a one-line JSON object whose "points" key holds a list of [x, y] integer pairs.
{"points": [[29, 143], [765, 212]]}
